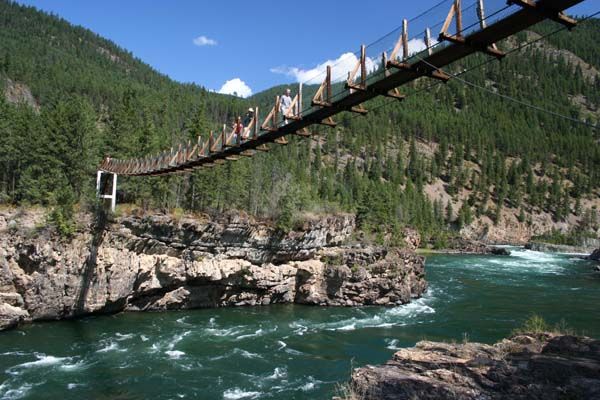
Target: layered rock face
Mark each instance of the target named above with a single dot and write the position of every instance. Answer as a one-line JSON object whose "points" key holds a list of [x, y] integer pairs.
{"points": [[541, 366], [157, 263]]}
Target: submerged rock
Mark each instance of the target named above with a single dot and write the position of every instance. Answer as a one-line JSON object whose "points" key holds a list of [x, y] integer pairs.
{"points": [[500, 251], [158, 263], [595, 256], [543, 366]]}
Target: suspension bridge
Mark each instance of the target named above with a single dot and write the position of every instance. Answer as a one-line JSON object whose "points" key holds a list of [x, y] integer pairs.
{"points": [[464, 31]]}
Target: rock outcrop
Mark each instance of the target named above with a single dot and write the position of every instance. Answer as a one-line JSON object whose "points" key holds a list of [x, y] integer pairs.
{"points": [[586, 247], [542, 366], [459, 245], [158, 263], [595, 256]]}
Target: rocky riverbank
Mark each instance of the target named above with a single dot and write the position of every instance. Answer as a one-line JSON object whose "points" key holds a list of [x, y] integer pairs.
{"points": [[561, 248], [459, 245], [157, 262], [542, 366]]}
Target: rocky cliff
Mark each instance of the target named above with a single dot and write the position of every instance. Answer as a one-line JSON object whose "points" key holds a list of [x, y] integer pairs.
{"points": [[543, 366], [157, 263]]}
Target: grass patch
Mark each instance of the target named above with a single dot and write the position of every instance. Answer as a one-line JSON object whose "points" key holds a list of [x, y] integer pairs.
{"points": [[536, 324]]}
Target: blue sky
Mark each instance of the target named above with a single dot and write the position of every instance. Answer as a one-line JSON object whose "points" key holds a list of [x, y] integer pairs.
{"points": [[252, 44]]}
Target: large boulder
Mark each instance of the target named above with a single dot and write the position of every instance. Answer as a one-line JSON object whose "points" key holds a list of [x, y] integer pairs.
{"points": [[542, 366]]}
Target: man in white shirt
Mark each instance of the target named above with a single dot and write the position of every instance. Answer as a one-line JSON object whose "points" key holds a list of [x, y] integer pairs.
{"points": [[284, 104]]}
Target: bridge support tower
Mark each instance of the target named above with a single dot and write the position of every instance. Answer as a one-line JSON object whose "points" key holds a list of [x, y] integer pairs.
{"points": [[106, 188]]}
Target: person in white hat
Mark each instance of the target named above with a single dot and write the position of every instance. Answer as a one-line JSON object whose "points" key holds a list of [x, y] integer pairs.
{"points": [[285, 103]]}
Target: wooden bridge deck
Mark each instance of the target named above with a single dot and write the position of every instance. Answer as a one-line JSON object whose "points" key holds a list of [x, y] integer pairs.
{"points": [[217, 150]]}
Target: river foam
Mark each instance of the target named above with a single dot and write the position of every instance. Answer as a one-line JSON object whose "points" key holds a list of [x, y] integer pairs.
{"points": [[238, 394]]}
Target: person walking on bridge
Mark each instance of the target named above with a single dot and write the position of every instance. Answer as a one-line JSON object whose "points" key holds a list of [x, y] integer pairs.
{"points": [[238, 128], [284, 104]]}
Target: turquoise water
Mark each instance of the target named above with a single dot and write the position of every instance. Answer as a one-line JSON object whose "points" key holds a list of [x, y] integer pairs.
{"points": [[290, 352]]}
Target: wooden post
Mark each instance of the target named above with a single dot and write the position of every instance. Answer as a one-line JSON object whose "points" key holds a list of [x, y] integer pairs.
{"points": [[328, 84], [363, 66], [405, 38], [256, 124], [299, 106], [275, 121], [459, 25], [113, 196], [428, 41], [113, 199], [481, 14], [98, 180]]}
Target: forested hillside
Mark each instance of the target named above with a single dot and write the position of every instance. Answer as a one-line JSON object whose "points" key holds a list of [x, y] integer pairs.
{"points": [[450, 157]]}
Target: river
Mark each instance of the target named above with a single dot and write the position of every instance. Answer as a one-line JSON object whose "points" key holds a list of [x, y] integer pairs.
{"points": [[288, 351]]}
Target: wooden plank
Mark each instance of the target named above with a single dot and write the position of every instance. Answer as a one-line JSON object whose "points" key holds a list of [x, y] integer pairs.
{"points": [[398, 65], [304, 133], [359, 110], [318, 97], [328, 122], [448, 20], [397, 46], [439, 75], [394, 94], [248, 153], [270, 122], [263, 147]]}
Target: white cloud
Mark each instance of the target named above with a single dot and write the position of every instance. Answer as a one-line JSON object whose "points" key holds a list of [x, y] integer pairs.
{"points": [[236, 87], [418, 45], [204, 41], [339, 69]]}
